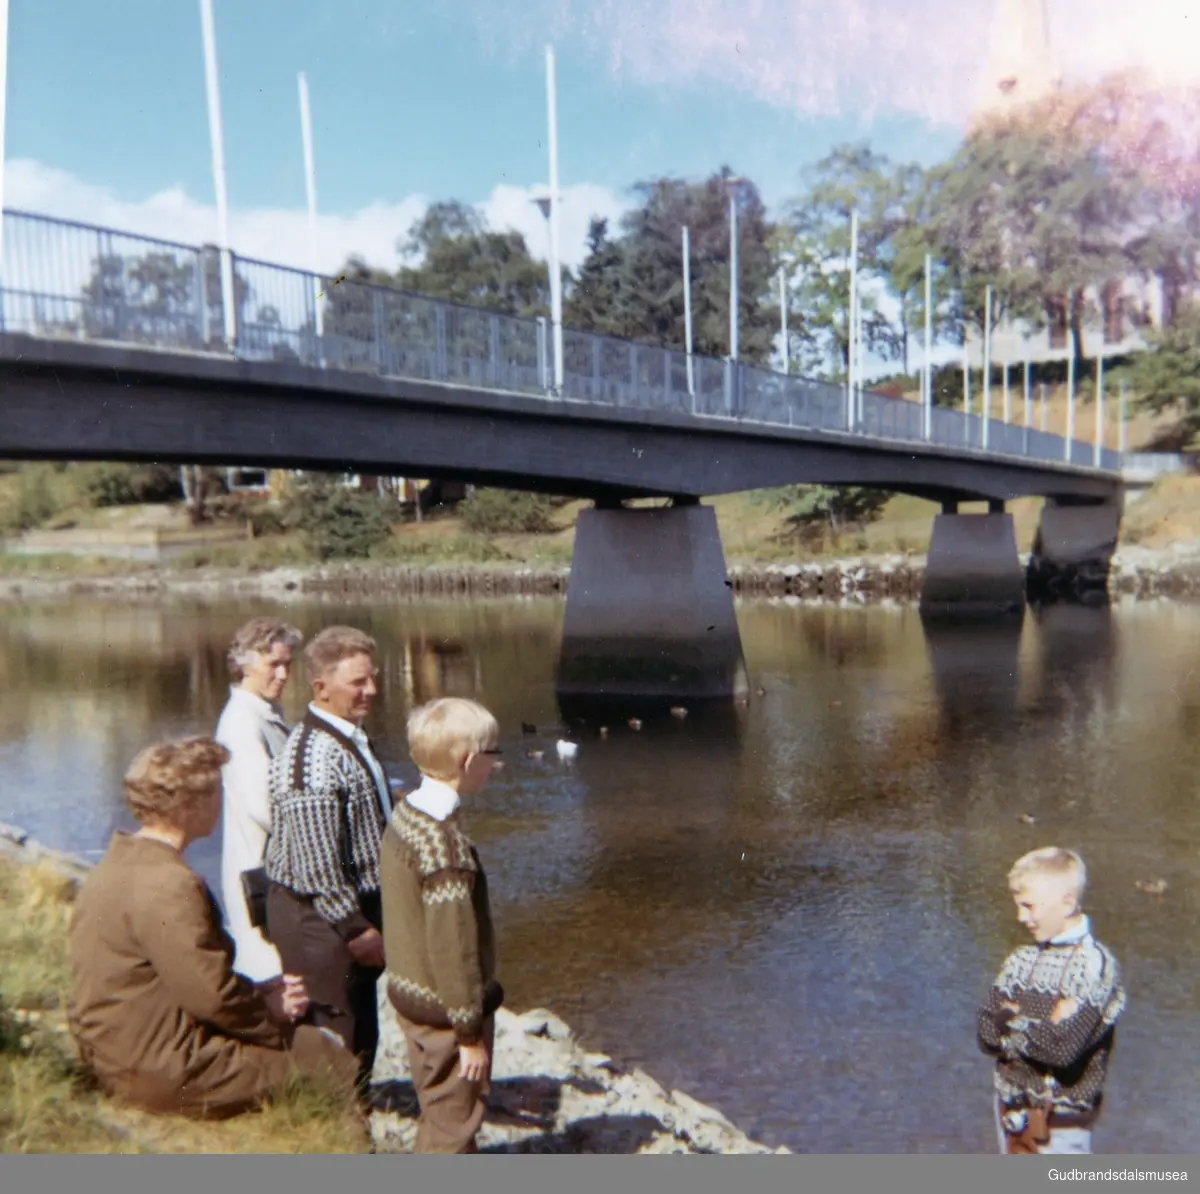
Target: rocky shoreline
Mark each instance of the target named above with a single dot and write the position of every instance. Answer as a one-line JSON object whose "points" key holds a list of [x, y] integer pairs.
{"points": [[1136, 571], [549, 1094]]}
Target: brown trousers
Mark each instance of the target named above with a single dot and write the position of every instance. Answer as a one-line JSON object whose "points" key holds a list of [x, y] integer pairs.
{"points": [[345, 991], [232, 1076], [451, 1107]]}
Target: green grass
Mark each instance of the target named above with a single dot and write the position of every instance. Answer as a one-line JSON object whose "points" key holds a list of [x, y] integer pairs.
{"points": [[47, 1105]]}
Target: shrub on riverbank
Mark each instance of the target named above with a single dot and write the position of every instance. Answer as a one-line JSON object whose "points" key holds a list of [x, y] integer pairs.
{"points": [[338, 523], [48, 1105], [506, 512]]}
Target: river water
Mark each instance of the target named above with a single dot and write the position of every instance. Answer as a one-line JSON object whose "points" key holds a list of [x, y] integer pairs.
{"points": [[788, 909]]}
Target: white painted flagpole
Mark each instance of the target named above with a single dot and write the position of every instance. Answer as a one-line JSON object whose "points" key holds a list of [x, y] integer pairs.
{"points": [[555, 267], [783, 321], [852, 322], [687, 306], [218, 158], [987, 367], [310, 185], [928, 412]]}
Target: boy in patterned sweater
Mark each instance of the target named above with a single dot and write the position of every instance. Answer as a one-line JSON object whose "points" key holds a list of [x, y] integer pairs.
{"points": [[437, 925], [1050, 1017]]}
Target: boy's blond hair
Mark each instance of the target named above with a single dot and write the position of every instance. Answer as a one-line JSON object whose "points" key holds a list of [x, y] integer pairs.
{"points": [[1051, 862], [442, 731]]}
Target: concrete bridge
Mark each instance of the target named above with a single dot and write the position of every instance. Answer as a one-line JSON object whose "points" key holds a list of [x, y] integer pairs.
{"points": [[112, 347]]}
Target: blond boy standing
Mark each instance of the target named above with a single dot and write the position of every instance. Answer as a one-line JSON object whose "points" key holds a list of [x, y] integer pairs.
{"points": [[437, 924], [1051, 1014]]}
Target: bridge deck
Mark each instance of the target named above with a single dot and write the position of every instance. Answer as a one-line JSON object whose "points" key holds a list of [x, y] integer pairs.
{"points": [[83, 302]]}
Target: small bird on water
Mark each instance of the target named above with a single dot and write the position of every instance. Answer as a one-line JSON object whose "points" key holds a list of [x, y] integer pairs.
{"points": [[1151, 886], [566, 750], [635, 723], [527, 728], [678, 711], [534, 754], [604, 731], [1026, 819]]}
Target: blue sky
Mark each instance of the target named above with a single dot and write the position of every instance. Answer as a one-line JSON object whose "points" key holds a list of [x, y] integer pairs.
{"points": [[406, 99], [107, 118]]}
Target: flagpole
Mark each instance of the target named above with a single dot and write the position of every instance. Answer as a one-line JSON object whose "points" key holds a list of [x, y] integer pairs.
{"points": [[218, 163], [310, 185], [852, 322]]}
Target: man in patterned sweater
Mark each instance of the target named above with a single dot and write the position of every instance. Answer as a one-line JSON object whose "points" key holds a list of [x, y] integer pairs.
{"points": [[1051, 1014], [329, 803], [437, 925]]}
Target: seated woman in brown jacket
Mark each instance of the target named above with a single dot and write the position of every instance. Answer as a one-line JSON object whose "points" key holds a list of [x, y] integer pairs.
{"points": [[156, 1010]]}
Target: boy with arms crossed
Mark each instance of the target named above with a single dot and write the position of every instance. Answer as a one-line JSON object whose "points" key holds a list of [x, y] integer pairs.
{"points": [[1050, 1017]]}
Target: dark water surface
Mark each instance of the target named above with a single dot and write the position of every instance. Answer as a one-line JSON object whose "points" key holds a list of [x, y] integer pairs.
{"points": [[789, 910]]}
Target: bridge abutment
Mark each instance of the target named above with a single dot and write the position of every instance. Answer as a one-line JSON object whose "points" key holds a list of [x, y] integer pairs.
{"points": [[1073, 548], [649, 612], [973, 566]]}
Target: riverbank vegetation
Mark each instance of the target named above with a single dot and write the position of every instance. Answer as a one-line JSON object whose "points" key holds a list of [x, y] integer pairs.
{"points": [[48, 1106], [781, 526]]}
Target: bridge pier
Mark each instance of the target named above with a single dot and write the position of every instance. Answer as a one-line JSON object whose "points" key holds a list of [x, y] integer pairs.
{"points": [[973, 566], [1073, 548], [649, 612]]}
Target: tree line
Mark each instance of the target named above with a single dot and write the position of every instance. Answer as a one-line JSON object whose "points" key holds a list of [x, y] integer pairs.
{"points": [[1052, 207]]}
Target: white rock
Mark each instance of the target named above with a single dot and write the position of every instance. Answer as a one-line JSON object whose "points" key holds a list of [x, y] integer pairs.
{"points": [[540, 1022], [697, 1110]]}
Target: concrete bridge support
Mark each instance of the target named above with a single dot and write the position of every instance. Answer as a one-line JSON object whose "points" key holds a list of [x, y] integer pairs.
{"points": [[649, 613], [1073, 548], [973, 567]]}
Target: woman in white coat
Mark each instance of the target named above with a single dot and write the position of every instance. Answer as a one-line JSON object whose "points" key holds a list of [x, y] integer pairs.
{"points": [[252, 729]]}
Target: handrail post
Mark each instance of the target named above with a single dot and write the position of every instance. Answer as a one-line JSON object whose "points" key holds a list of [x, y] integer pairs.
{"points": [[541, 353]]}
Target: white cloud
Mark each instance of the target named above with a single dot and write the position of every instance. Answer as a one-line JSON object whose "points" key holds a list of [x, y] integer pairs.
{"points": [[854, 57], [280, 235]]}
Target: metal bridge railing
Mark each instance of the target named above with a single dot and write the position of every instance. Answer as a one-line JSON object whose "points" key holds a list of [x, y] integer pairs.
{"points": [[64, 279]]}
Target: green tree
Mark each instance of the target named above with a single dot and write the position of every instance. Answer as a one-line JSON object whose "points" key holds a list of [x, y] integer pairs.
{"points": [[463, 261], [152, 298], [903, 239], [631, 285], [815, 244], [504, 511], [338, 522], [1167, 377], [830, 510], [379, 320], [1038, 210]]}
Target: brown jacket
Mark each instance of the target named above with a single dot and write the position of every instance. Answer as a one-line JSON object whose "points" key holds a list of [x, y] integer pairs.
{"points": [[156, 1009]]}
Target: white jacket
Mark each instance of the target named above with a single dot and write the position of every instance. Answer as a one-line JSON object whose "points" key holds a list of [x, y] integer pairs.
{"points": [[253, 731]]}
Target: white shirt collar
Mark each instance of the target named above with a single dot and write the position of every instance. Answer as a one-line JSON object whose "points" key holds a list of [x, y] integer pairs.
{"points": [[340, 723], [1073, 935], [434, 798]]}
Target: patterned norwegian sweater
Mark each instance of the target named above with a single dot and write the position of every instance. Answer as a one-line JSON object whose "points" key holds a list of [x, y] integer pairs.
{"points": [[1074, 1053], [437, 924], [325, 825]]}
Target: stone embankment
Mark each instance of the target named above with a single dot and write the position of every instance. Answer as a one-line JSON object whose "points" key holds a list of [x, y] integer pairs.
{"points": [[549, 1094], [1136, 571]]}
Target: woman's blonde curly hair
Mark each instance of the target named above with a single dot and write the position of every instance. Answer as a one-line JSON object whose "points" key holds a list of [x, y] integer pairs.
{"points": [[169, 778]]}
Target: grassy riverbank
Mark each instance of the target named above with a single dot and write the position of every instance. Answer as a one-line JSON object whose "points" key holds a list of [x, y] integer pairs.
{"points": [[754, 532], [47, 1106]]}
